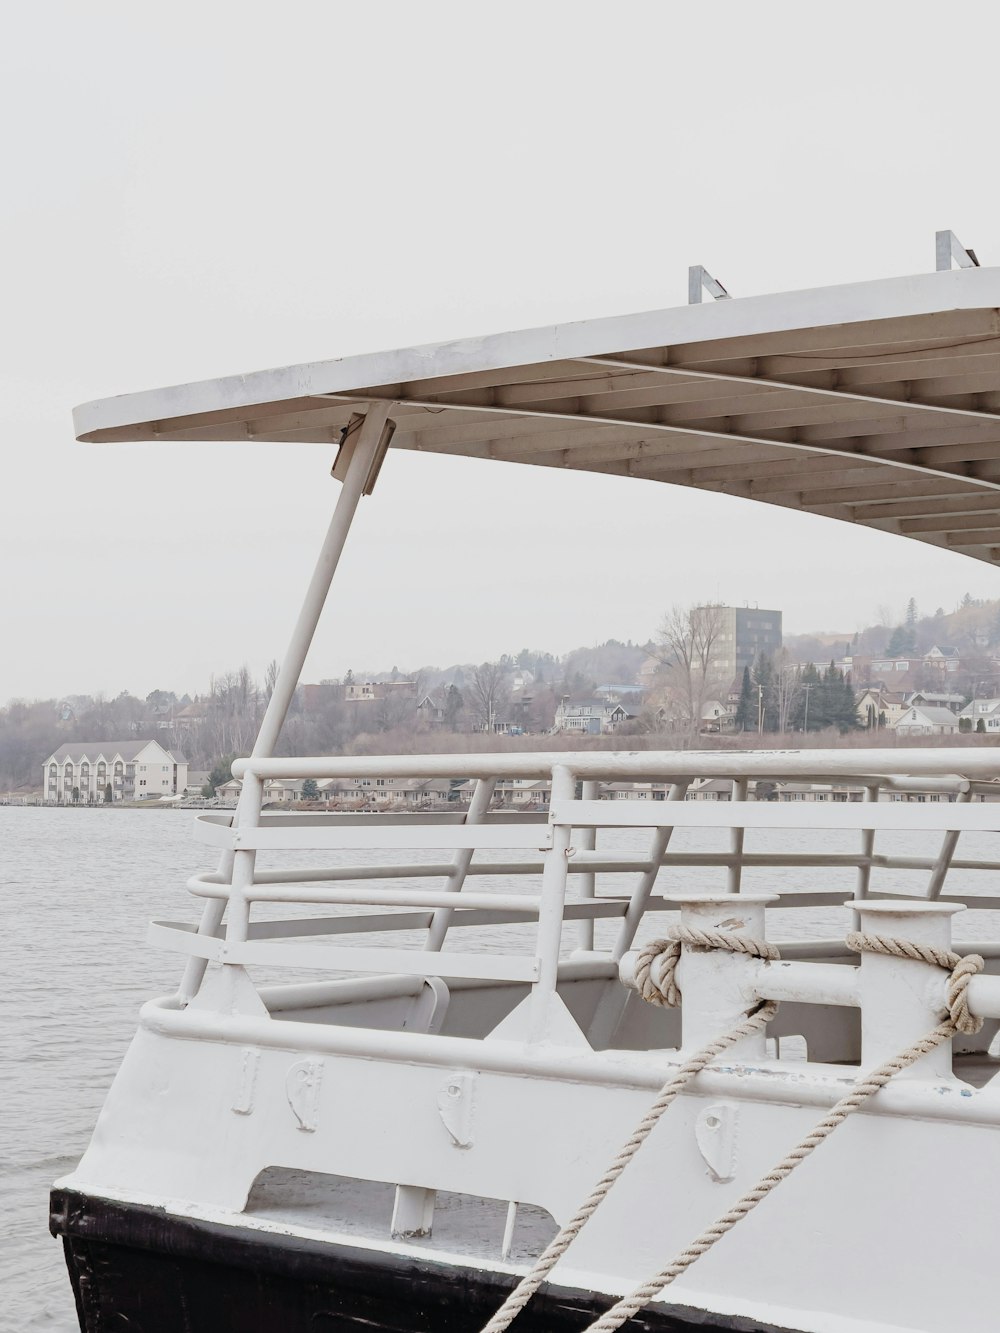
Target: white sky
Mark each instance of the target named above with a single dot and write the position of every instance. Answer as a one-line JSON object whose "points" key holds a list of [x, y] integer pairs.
{"points": [[195, 189]]}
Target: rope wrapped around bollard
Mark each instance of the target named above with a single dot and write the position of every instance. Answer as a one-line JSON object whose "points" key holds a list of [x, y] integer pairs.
{"points": [[664, 991], [959, 1019]]}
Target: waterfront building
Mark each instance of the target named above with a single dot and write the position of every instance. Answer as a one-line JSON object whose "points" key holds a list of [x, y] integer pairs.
{"points": [[133, 770]]}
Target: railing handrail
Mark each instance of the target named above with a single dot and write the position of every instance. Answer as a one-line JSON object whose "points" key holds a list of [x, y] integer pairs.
{"points": [[862, 765]]}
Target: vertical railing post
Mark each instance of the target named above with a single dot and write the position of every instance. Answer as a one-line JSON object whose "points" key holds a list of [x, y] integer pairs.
{"points": [[358, 470], [737, 836], [550, 914], [864, 875], [586, 882]]}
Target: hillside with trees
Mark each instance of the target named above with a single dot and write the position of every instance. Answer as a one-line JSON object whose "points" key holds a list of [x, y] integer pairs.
{"points": [[801, 690]]}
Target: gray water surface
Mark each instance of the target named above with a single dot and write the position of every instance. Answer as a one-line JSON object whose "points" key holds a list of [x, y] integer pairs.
{"points": [[77, 888]]}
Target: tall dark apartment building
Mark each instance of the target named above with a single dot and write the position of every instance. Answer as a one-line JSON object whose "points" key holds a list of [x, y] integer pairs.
{"points": [[744, 633]]}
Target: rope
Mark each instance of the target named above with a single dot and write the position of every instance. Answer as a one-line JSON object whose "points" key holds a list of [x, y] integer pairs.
{"points": [[662, 991], [961, 970], [959, 1019]]}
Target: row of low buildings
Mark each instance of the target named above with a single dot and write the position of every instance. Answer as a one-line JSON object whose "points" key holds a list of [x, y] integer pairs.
{"points": [[927, 712], [533, 794]]}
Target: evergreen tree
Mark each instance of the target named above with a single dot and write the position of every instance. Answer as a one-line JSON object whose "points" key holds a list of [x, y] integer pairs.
{"points": [[902, 643], [309, 790], [911, 613], [453, 703], [746, 717], [847, 719], [804, 715]]}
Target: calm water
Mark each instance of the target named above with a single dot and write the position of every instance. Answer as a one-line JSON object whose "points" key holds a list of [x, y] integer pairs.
{"points": [[77, 888]]}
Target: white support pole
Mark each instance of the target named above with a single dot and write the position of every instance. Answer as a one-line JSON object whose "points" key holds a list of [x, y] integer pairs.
{"points": [[550, 915], [586, 841], [319, 585], [351, 491], [867, 847], [475, 814], [737, 836]]}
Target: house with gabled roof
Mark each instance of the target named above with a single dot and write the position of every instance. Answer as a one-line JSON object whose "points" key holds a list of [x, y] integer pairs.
{"points": [[84, 772], [944, 657], [986, 711], [590, 716], [927, 721]]}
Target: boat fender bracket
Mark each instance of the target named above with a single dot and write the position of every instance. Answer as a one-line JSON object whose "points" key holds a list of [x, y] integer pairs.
{"points": [[302, 1088], [455, 1104], [249, 1064], [715, 1135]]}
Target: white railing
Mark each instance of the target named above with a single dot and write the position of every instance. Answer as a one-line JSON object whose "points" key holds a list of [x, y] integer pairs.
{"points": [[561, 848]]}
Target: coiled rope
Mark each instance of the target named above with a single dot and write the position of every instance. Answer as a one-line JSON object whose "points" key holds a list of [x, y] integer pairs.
{"points": [[959, 1019]]}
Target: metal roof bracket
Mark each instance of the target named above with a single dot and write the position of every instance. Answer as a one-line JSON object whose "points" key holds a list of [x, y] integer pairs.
{"points": [[700, 280], [950, 250]]}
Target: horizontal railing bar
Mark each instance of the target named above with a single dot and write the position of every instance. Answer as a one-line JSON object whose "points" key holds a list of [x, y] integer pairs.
{"points": [[650, 765], [789, 898], [624, 863], [526, 904], [809, 983], [291, 837], [926, 785], [345, 990], [405, 962], [928, 863], [985, 902], [892, 817], [384, 921], [375, 819]]}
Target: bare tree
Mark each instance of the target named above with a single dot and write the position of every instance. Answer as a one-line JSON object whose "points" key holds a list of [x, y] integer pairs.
{"points": [[488, 694], [270, 679], [688, 645]]}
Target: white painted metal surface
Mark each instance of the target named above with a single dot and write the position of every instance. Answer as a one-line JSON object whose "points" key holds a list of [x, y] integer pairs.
{"points": [[877, 403], [515, 1077]]}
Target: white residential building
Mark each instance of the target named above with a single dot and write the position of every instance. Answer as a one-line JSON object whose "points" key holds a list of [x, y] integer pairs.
{"points": [[986, 711], [590, 716], [927, 721], [133, 770]]}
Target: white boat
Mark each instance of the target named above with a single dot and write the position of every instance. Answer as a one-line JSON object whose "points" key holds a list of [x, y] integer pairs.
{"points": [[391, 1140]]}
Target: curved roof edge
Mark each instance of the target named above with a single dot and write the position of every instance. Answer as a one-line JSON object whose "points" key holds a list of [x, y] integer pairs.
{"points": [[921, 294]]}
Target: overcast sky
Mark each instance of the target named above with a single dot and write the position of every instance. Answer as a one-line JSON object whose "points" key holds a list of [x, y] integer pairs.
{"points": [[196, 189]]}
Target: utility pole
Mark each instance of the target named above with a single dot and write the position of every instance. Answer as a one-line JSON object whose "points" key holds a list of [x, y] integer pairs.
{"points": [[760, 710], [805, 719]]}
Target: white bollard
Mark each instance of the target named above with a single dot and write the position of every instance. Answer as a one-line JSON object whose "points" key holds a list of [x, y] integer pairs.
{"points": [[718, 987], [900, 997]]}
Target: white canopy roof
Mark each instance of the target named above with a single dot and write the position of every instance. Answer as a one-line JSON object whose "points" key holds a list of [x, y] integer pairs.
{"points": [[877, 403]]}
